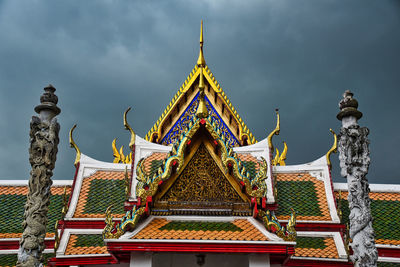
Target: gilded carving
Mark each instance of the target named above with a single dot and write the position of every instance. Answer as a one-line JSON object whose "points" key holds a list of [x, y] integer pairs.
{"points": [[201, 180]]}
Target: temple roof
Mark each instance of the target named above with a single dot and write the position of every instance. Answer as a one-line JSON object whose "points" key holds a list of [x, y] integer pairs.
{"points": [[224, 109]]}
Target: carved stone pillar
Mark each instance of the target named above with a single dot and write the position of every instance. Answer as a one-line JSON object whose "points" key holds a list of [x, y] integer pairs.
{"points": [[42, 157], [354, 162]]}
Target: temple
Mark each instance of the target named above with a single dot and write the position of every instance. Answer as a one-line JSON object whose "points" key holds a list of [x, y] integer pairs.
{"points": [[199, 190]]}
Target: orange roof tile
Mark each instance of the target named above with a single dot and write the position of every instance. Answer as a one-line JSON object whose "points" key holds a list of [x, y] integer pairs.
{"points": [[75, 248], [327, 250], [239, 229]]}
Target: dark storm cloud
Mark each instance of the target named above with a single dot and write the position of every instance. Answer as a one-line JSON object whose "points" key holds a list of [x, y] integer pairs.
{"points": [[103, 56]]}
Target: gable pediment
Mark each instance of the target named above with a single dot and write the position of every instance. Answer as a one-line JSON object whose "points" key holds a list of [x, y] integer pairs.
{"points": [[202, 185]]}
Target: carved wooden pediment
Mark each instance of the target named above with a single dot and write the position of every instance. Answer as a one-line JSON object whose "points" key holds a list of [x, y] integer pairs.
{"points": [[202, 187]]}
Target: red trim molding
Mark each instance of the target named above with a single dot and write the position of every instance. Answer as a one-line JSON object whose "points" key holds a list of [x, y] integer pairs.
{"points": [[199, 247], [389, 252], [4, 245], [81, 261], [319, 227]]}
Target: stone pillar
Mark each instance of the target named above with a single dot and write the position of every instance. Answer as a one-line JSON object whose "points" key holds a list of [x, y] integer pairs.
{"points": [[354, 162], [42, 157]]}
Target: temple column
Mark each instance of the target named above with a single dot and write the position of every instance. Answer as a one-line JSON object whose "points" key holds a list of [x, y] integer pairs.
{"points": [[354, 163], [42, 157]]}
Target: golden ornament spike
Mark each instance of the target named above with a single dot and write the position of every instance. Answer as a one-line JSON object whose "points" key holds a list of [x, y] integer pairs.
{"points": [[73, 144], [202, 111], [129, 128], [333, 148], [275, 131], [276, 159], [121, 152], [282, 157], [117, 156], [201, 61]]}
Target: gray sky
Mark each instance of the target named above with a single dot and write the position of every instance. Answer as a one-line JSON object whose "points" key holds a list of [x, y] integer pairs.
{"points": [[103, 56]]}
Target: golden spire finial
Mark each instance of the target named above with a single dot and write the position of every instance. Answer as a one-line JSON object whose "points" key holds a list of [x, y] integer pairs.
{"points": [[202, 111], [73, 144], [275, 131], [129, 128], [332, 149], [201, 61]]}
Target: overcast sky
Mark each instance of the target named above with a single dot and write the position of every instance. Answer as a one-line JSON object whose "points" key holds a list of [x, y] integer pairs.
{"points": [[104, 56]]}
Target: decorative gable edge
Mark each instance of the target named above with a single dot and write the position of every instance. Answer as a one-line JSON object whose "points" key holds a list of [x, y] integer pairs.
{"points": [[243, 129], [88, 166], [339, 243]]}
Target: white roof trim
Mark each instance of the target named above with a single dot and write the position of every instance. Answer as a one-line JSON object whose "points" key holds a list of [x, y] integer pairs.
{"points": [[384, 188], [317, 259], [144, 148], [15, 251], [273, 239], [88, 167], [258, 150], [66, 236], [320, 170], [388, 259], [336, 237], [388, 246]]}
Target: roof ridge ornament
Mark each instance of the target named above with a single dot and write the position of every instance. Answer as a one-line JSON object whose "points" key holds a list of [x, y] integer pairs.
{"points": [[275, 131], [202, 111], [332, 149], [201, 61], [129, 128], [73, 144]]}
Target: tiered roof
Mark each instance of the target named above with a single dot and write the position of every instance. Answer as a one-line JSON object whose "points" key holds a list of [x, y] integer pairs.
{"points": [[199, 182]]}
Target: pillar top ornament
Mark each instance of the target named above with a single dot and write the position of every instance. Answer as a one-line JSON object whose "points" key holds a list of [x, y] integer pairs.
{"points": [[48, 104], [348, 107]]}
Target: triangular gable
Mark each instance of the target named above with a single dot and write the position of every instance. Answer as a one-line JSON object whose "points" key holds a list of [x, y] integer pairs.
{"points": [[173, 112], [184, 120]]}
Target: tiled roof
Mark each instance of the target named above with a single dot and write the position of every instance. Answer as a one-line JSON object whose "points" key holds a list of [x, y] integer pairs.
{"points": [[239, 229], [251, 163], [85, 244], [9, 260], [98, 192], [385, 208], [305, 194], [12, 207], [153, 162], [316, 247]]}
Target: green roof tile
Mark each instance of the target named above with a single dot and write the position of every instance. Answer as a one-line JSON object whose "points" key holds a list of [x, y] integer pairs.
{"points": [[103, 193], [250, 168], [386, 221], [89, 241], [12, 212], [299, 195], [11, 259], [310, 242]]}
